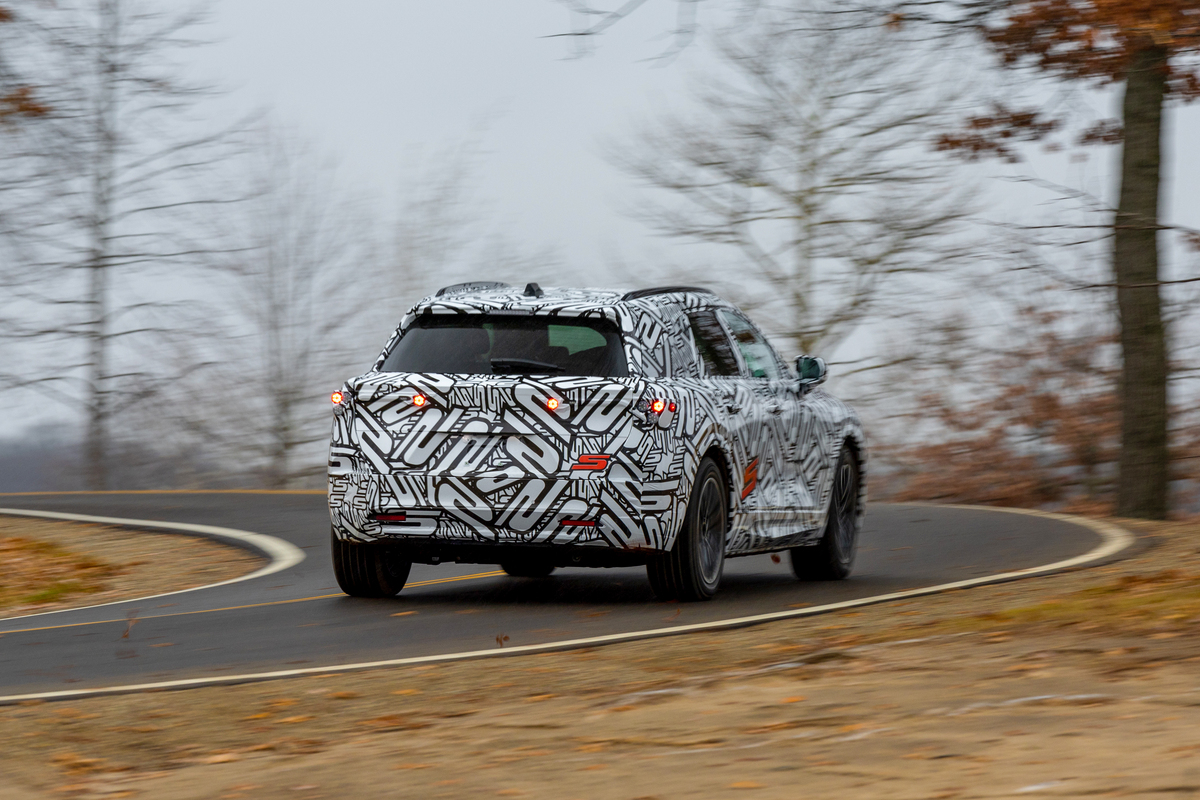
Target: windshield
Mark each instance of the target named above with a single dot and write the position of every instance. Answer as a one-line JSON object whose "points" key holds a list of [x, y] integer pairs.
{"points": [[485, 344]]}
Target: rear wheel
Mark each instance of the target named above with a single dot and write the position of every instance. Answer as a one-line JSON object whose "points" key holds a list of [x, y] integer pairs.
{"points": [[527, 569], [368, 570], [832, 558], [692, 569]]}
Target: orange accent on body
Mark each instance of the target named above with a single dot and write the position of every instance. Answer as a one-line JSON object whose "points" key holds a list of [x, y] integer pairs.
{"points": [[749, 478], [592, 462]]}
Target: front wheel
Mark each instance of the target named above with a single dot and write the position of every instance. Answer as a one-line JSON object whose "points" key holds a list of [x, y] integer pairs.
{"points": [[692, 569], [368, 570], [832, 558]]}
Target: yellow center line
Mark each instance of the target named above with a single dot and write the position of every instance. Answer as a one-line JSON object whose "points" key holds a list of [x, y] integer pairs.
{"points": [[472, 576]]}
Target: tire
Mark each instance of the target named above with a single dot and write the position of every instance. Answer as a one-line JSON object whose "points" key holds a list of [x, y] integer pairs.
{"points": [[832, 558], [368, 570], [691, 570], [527, 569]]}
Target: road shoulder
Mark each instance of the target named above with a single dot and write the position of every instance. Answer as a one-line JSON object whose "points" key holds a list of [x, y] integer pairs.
{"points": [[52, 565]]}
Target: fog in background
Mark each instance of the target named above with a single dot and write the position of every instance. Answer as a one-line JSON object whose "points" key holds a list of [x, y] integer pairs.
{"points": [[352, 159]]}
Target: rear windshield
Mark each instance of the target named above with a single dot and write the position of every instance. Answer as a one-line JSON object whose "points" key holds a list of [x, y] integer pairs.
{"points": [[484, 344]]}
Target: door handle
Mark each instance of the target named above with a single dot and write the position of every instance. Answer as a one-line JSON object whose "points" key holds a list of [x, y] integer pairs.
{"points": [[775, 408], [731, 404]]}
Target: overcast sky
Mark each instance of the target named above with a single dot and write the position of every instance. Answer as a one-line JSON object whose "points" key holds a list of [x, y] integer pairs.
{"points": [[379, 82]]}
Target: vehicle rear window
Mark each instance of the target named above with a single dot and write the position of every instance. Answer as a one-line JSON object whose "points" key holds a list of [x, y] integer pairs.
{"points": [[490, 344]]}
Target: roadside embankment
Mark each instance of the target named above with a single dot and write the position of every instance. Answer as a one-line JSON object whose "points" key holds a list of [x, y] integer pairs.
{"points": [[1083, 683], [52, 565]]}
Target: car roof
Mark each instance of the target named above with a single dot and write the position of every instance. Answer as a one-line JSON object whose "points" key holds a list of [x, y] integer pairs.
{"points": [[533, 299]]}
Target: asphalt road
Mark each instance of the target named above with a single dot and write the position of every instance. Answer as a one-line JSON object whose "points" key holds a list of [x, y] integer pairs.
{"points": [[298, 618]]}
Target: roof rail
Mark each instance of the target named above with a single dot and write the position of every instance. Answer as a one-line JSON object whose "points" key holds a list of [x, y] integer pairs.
{"points": [[474, 286], [637, 293]]}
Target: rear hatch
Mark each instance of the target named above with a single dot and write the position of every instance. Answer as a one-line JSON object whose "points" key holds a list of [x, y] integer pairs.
{"points": [[497, 394], [493, 426]]}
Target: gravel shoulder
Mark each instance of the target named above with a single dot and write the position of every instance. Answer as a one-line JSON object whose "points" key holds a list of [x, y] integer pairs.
{"points": [[1083, 683], [52, 565]]}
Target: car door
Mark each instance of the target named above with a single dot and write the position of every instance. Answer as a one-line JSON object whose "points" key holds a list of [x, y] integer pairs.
{"points": [[734, 405], [762, 374]]}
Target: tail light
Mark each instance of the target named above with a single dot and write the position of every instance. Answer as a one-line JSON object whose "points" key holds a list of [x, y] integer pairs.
{"points": [[337, 398], [658, 410]]}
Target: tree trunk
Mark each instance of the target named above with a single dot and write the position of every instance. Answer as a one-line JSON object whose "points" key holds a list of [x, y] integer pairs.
{"points": [[99, 224], [1143, 481]]}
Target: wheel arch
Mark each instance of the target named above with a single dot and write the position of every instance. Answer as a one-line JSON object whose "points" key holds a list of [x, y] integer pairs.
{"points": [[717, 454], [853, 440]]}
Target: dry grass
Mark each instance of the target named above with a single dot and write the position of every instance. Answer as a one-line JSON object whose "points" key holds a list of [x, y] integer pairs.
{"points": [[48, 565], [39, 573]]}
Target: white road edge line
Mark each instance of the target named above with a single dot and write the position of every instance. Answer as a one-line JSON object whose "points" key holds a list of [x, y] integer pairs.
{"points": [[282, 554], [1113, 540]]}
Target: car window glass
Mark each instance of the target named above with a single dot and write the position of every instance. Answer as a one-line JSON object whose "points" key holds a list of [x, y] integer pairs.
{"points": [[482, 344], [758, 355], [712, 343]]}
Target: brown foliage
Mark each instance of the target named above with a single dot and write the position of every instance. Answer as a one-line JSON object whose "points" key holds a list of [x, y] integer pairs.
{"points": [[1080, 40], [1040, 429], [1096, 39], [21, 102], [994, 134]]}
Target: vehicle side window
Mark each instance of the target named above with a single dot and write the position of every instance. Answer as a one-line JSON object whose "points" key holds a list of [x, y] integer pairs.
{"points": [[713, 344], [759, 357]]}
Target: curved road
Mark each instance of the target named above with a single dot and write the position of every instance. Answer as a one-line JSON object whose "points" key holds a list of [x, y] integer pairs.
{"points": [[297, 618]]}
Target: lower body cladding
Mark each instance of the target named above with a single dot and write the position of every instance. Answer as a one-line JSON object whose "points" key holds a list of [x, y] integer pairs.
{"points": [[584, 520]]}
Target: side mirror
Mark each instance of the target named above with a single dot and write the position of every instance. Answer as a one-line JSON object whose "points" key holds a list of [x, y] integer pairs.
{"points": [[811, 370]]}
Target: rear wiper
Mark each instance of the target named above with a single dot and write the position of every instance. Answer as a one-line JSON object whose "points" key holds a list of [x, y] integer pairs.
{"points": [[524, 366]]}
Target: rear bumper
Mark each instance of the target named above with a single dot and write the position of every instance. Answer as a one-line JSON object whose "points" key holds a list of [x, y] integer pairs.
{"points": [[452, 518]]}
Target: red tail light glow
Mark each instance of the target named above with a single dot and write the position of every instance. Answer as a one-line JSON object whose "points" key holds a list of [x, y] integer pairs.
{"points": [[552, 404], [337, 398], [658, 405], [578, 523], [671, 408], [419, 400]]}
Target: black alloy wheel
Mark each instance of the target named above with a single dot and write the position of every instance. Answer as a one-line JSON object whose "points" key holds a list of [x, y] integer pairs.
{"points": [[527, 569], [368, 569], [692, 569], [832, 558]]}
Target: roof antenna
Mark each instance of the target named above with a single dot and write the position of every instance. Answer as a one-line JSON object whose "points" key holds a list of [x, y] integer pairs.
{"points": [[533, 290]]}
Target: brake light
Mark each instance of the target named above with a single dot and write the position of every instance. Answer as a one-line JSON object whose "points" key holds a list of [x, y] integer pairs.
{"points": [[419, 400], [658, 405], [552, 404], [337, 398], [671, 408]]}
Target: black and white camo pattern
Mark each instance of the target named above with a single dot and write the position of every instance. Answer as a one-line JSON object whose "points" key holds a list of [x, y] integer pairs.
{"points": [[486, 461]]}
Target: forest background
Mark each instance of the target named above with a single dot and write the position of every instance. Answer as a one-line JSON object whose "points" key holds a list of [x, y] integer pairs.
{"points": [[926, 194]]}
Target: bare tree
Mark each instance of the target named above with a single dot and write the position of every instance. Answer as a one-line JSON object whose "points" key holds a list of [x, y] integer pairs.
{"points": [[99, 225], [810, 162], [446, 231], [295, 310]]}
